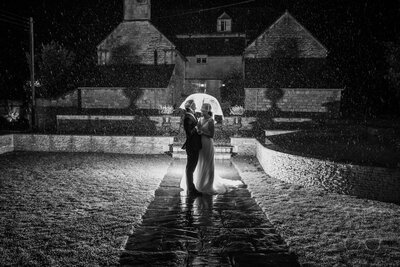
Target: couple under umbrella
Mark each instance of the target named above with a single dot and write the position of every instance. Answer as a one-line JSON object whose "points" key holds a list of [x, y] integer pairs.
{"points": [[200, 177]]}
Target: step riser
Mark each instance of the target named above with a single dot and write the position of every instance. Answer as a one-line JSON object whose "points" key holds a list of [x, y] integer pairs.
{"points": [[216, 150], [221, 152], [216, 156]]}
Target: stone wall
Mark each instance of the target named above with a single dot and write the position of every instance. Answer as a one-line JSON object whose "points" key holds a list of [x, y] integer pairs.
{"points": [[102, 144], [112, 98], [283, 30], [6, 143], [69, 99], [245, 122], [375, 183], [296, 100], [244, 146]]}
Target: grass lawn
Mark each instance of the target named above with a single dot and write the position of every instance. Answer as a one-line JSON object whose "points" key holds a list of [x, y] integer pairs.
{"points": [[326, 229], [348, 144], [65, 209]]}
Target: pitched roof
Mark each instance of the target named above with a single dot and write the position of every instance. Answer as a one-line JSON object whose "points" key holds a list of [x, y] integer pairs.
{"points": [[211, 46], [224, 16], [143, 76], [128, 30], [291, 73], [285, 19], [250, 20]]}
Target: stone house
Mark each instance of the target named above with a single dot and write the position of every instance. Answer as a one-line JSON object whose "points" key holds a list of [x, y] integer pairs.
{"points": [[287, 68], [284, 66]]}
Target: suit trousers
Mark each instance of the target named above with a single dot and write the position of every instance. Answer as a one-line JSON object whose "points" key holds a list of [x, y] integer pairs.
{"points": [[192, 159]]}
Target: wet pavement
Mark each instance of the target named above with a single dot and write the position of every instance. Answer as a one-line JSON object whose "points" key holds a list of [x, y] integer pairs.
{"points": [[221, 230]]}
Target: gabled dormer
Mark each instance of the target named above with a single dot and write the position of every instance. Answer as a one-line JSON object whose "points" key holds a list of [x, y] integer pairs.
{"points": [[224, 23]]}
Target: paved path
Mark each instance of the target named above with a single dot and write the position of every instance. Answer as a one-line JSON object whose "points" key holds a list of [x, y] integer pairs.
{"points": [[223, 230]]}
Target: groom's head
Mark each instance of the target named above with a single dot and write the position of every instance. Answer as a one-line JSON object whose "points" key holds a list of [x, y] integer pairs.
{"points": [[190, 104]]}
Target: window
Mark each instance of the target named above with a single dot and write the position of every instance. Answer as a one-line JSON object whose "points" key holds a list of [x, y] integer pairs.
{"points": [[224, 25], [201, 59], [155, 57], [103, 57]]}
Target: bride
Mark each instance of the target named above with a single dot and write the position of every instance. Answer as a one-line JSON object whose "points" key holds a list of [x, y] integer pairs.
{"points": [[205, 179]]}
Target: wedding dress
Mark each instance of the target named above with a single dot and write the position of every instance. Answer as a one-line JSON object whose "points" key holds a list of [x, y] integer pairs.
{"points": [[204, 177]]}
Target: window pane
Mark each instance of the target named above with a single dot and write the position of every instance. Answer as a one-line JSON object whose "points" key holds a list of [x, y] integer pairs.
{"points": [[228, 25]]}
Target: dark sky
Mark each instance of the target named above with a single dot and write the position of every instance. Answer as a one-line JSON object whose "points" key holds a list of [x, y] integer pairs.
{"points": [[354, 31], [78, 22]]}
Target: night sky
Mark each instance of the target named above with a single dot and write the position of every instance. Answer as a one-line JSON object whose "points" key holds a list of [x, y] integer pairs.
{"points": [[354, 32]]}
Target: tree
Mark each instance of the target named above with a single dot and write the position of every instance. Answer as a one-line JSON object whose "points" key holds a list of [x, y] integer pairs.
{"points": [[393, 73], [56, 72], [285, 51]]}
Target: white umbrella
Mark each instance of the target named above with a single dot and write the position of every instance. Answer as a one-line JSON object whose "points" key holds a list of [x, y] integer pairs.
{"points": [[201, 98]]}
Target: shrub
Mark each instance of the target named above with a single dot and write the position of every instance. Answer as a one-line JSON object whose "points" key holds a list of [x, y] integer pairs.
{"points": [[237, 110], [144, 126], [166, 110]]}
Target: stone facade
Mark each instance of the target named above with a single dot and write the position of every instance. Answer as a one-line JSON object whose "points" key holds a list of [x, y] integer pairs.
{"points": [[295, 63], [109, 98], [115, 98], [376, 183], [102, 144], [296, 100], [137, 10], [136, 42], [209, 76], [286, 28], [216, 68]]}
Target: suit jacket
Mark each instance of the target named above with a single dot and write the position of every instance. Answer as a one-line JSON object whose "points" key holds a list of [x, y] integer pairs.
{"points": [[193, 139]]}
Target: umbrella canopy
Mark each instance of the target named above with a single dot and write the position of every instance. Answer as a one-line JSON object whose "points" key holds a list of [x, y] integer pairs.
{"points": [[200, 98]]}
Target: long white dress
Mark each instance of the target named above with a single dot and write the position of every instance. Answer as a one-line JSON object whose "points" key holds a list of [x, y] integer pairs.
{"points": [[204, 177]]}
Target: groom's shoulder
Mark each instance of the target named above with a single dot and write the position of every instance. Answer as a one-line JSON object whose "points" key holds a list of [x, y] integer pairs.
{"points": [[189, 116]]}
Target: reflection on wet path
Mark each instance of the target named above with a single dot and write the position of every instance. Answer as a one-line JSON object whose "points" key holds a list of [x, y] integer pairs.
{"points": [[221, 230]]}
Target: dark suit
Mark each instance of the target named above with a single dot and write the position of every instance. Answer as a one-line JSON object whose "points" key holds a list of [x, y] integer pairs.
{"points": [[192, 146]]}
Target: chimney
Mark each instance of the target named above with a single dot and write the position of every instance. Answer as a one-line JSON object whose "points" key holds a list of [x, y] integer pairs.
{"points": [[137, 10]]}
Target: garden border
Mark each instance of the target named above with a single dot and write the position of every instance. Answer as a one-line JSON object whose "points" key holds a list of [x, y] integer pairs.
{"points": [[369, 182], [86, 143]]}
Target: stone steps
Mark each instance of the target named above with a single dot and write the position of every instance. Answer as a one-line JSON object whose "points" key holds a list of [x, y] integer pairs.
{"points": [[221, 151]]}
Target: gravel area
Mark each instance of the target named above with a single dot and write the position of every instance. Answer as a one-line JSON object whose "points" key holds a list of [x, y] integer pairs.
{"points": [[66, 209], [326, 229]]}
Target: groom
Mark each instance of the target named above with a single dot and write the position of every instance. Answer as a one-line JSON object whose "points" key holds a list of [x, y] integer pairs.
{"points": [[192, 145]]}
